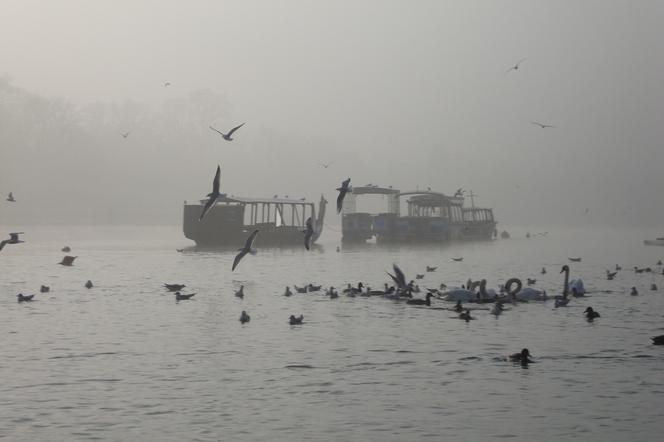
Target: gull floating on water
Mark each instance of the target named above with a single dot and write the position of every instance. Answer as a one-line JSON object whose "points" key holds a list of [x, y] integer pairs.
{"points": [[246, 249], [180, 297], [227, 136], [212, 196], [68, 261], [88, 285], [342, 193], [174, 287], [240, 293]]}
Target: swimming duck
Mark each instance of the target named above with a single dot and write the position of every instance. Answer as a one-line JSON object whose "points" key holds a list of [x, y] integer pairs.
{"points": [[24, 298], [288, 292], [591, 314], [244, 317], [300, 289], [426, 301], [658, 340], [433, 269], [562, 302], [543, 271], [466, 316], [634, 292], [240, 293], [174, 287], [44, 289], [88, 285], [354, 290], [296, 320], [531, 281], [458, 307], [497, 309], [66, 249], [618, 267], [314, 288], [332, 293], [180, 297], [523, 357], [419, 276], [611, 275]]}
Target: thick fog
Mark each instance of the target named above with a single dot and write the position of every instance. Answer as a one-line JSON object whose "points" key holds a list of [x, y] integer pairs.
{"points": [[409, 94]]}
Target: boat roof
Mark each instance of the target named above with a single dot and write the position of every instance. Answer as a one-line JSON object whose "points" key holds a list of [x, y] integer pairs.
{"points": [[249, 200], [374, 190]]}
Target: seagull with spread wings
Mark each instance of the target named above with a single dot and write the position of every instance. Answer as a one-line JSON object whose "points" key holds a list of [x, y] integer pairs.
{"points": [[125, 134], [13, 239], [342, 193], [212, 196], [516, 66], [227, 136], [543, 126], [246, 249], [308, 233]]}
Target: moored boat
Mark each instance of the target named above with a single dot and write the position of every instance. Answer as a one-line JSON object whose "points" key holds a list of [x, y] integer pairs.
{"points": [[281, 221]]}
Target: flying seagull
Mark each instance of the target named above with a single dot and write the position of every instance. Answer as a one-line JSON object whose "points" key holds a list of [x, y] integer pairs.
{"points": [[543, 126], [126, 134], [227, 136], [13, 239], [246, 249], [68, 260], [308, 233], [168, 83], [459, 192], [516, 66], [326, 165], [10, 198], [342, 193], [212, 195]]}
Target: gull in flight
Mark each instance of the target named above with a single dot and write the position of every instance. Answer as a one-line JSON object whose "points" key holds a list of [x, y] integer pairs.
{"points": [[516, 66], [227, 136], [308, 233], [168, 83], [13, 239], [125, 134], [326, 165], [10, 198], [246, 249], [459, 192], [212, 196], [543, 126], [342, 193]]}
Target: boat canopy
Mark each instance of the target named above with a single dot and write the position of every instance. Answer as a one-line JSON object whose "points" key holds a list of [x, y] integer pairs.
{"points": [[247, 200]]}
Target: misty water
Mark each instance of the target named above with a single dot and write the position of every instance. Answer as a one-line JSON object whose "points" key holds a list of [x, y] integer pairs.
{"points": [[124, 361]]}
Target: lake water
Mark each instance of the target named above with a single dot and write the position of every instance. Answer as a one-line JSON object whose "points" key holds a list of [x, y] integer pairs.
{"points": [[123, 361]]}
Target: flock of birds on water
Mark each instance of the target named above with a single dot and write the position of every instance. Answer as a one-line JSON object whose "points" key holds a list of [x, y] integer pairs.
{"points": [[473, 292]]}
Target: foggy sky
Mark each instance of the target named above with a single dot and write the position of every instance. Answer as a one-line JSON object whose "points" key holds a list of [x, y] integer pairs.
{"points": [[393, 92]]}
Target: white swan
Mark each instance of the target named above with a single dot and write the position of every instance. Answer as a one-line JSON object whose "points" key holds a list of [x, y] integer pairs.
{"points": [[458, 294], [530, 294], [575, 286]]}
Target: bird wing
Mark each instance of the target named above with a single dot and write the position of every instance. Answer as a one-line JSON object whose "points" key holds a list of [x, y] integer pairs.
{"points": [[237, 259], [344, 184], [207, 207], [234, 129], [250, 241], [520, 61], [223, 134], [400, 276], [216, 181], [2, 243], [340, 200], [308, 233]]}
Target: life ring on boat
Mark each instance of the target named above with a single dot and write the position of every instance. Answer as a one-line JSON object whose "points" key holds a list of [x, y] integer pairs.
{"points": [[510, 282]]}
